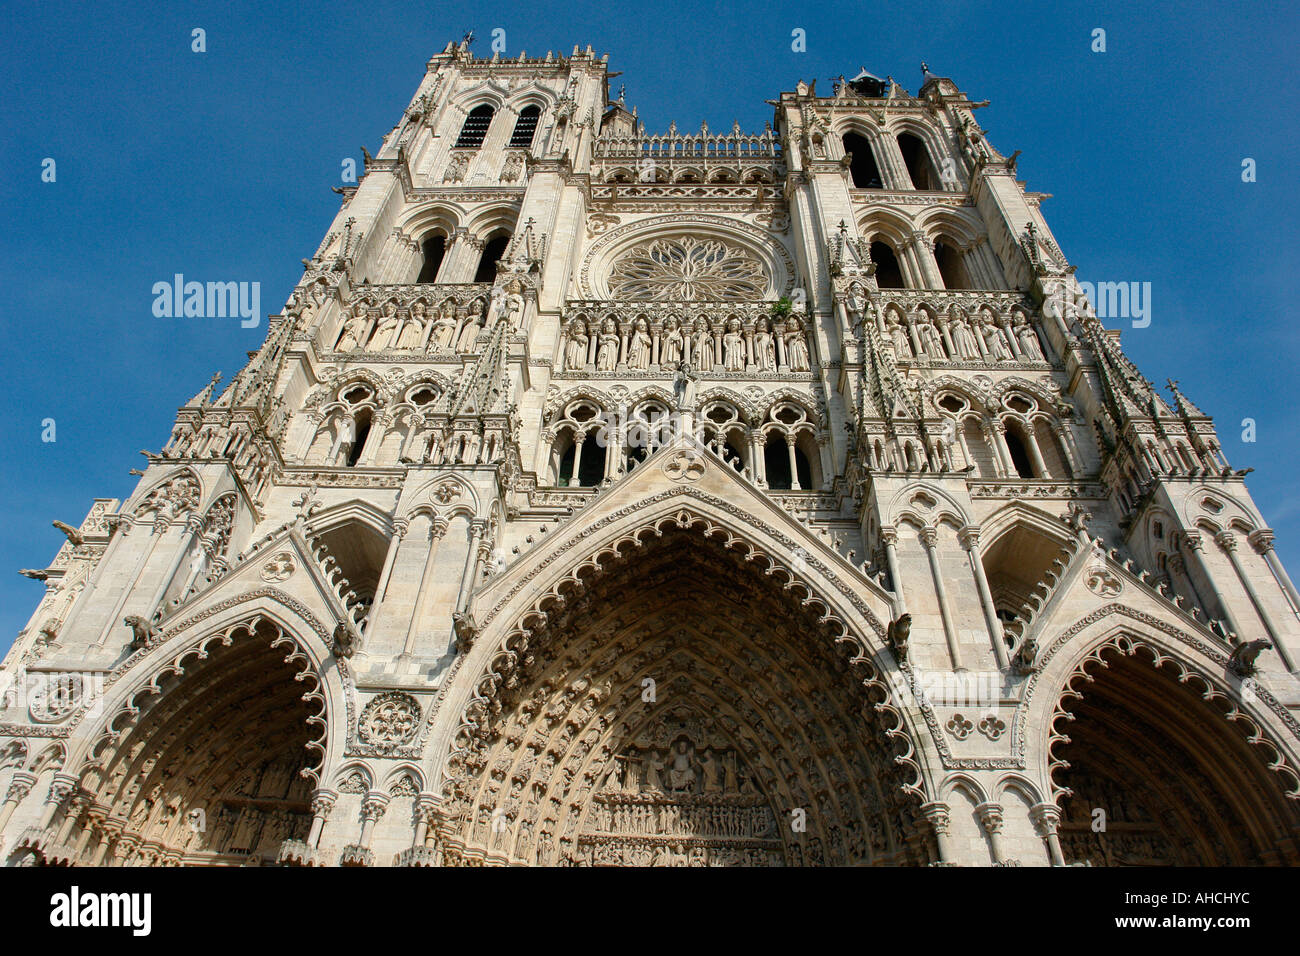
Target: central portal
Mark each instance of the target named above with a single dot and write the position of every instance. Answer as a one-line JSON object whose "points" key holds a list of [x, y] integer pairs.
{"points": [[681, 704]]}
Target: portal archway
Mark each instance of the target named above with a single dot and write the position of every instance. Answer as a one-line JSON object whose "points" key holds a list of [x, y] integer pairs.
{"points": [[205, 763], [1170, 763], [681, 707]]}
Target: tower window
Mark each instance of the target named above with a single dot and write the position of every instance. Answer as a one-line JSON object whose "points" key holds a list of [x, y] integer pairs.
{"points": [[1019, 456], [863, 168], [475, 128], [492, 253], [359, 441], [888, 273], [525, 127], [917, 159], [951, 266], [434, 249]]}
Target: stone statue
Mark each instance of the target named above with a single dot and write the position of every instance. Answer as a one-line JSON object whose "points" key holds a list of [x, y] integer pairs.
{"points": [[444, 328], [928, 335], [353, 329], [705, 350], [995, 343], [412, 334], [638, 350], [898, 335], [764, 347], [963, 340], [469, 332], [670, 348], [1028, 340], [681, 776], [733, 348], [575, 351], [796, 347], [607, 350], [513, 308], [682, 380], [384, 328]]}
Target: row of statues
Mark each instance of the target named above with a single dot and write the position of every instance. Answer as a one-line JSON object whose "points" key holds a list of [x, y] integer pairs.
{"points": [[722, 347], [673, 853], [449, 328], [978, 339], [720, 820], [683, 769]]}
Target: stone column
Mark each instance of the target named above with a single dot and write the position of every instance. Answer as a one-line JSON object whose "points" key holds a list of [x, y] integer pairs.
{"points": [[400, 527], [1067, 450], [437, 528], [969, 537], [937, 815], [95, 817], [472, 559], [1228, 542], [424, 814], [993, 434], [372, 809], [922, 250], [160, 526], [322, 802], [193, 525], [1035, 453], [990, 815], [578, 439], [1046, 819], [125, 849], [794, 470], [109, 831], [890, 538], [1197, 545], [76, 804], [929, 537], [19, 786], [1262, 542], [61, 788]]}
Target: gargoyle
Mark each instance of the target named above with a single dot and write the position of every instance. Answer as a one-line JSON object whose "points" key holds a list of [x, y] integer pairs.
{"points": [[465, 629], [345, 641], [142, 631], [73, 534], [1242, 661], [1023, 660], [34, 575], [897, 634]]}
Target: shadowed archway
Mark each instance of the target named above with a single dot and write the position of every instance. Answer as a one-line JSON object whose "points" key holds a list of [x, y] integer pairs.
{"points": [[1163, 769], [204, 763]]}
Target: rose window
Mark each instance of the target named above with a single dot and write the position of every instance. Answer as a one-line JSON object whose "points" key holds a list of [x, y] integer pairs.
{"points": [[685, 268]]}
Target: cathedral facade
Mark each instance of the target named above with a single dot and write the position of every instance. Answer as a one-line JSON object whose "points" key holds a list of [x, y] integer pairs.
{"points": [[602, 497]]}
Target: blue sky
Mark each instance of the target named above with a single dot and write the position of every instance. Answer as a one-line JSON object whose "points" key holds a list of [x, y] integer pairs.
{"points": [[219, 166]]}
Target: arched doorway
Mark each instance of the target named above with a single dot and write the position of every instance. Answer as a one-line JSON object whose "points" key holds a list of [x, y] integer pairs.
{"points": [[209, 771], [1159, 776], [682, 708]]}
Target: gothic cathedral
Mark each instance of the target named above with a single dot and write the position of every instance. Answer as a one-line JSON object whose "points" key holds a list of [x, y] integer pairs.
{"points": [[710, 498]]}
